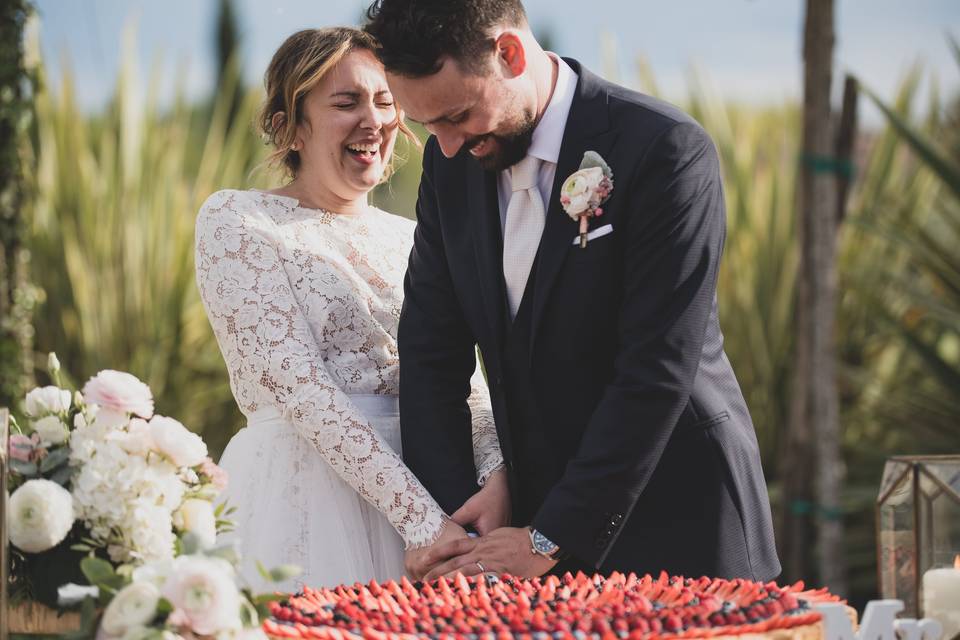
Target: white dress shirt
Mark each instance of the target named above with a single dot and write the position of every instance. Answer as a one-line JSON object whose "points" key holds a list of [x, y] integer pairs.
{"points": [[546, 138]]}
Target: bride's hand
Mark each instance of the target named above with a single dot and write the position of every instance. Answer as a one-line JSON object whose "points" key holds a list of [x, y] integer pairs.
{"points": [[489, 508], [453, 541]]}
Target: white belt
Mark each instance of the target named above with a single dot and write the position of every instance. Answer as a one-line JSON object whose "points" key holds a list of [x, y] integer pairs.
{"points": [[371, 405]]}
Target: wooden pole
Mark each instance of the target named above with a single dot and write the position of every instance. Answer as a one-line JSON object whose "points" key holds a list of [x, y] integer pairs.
{"points": [[846, 136], [819, 223]]}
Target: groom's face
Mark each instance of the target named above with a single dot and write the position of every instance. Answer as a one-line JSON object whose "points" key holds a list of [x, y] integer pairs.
{"points": [[490, 115]]}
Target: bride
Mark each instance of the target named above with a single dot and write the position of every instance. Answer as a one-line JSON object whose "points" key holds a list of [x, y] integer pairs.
{"points": [[303, 286]]}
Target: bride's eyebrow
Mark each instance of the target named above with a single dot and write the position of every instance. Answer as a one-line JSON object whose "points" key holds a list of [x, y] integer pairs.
{"points": [[357, 94]]}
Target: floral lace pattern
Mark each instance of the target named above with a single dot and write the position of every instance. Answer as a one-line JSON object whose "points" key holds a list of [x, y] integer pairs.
{"points": [[305, 306]]}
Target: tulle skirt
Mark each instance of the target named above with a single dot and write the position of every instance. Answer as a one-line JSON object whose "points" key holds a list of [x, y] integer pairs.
{"points": [[292, 508]]}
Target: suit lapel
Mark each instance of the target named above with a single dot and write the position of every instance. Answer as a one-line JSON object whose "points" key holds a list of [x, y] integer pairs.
{"points": [[488, 243], [587, 129]]}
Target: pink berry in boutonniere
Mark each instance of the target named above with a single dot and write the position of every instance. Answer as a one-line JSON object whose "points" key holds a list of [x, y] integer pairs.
{"points": [[585, 190]]}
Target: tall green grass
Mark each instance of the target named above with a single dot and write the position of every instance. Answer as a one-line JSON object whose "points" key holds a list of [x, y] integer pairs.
{"points": [[112, 239]]}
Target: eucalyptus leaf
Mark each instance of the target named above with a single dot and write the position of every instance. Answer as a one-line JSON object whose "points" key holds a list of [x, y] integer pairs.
{"points": [[249, 615], [593, 159], [266, 598], [99, 572], [25, 469], [285, 572], [63, 475], [263, 571], [226, 552], [54, 459], [190, 544]]}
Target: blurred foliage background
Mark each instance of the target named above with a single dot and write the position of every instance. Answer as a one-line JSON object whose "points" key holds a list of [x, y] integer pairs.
{"points": [[109, 201]]}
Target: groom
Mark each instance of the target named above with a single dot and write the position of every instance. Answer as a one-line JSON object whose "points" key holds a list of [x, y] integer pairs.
{"points": [[627, 442]]}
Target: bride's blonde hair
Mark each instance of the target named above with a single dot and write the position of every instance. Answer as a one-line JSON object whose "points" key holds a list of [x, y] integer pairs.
{"points": [[298, 65]]}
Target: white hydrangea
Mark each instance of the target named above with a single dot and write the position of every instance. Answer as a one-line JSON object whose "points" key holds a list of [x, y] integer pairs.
{"points": [[125, 499]]}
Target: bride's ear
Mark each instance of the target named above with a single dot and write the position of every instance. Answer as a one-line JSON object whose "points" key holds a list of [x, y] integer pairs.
{"points": [[510, 53], [279, 123]]}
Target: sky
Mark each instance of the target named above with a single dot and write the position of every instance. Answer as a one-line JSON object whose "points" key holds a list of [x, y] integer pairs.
{"points": [[746, 50]]}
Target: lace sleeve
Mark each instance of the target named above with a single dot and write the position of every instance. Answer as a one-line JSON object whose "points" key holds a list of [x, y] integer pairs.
{"points": [[486, 444], [274, 360]]}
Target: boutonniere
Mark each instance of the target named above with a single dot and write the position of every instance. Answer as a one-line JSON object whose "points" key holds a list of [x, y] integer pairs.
{"points": [[585, 190]]}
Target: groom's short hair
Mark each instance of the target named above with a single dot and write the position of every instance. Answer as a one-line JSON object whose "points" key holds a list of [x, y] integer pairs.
{"points": [[415, 35]]}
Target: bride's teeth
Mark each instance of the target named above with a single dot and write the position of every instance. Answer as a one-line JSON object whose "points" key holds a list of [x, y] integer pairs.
{"points": [[364, 148]]}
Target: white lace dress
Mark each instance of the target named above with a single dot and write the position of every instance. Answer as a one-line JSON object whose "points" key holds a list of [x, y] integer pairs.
{"points": [[305, 304]]}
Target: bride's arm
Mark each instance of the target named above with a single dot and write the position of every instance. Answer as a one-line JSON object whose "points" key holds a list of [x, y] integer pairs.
{"points": [[273, 360], [486, 444]]}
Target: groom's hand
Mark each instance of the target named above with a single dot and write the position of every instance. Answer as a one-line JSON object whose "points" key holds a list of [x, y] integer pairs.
{"points": [[489, 508], [506, 550], [453, 541]]}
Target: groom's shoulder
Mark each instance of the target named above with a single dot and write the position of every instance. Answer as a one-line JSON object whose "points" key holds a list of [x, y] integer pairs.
{"points": [[645, 117]]}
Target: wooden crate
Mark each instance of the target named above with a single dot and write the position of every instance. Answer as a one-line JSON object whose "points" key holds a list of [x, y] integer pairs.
{"points": [[35, 618]]}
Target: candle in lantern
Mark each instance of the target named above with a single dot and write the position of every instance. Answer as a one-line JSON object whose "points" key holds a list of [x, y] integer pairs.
{"points": [[941, 597]]}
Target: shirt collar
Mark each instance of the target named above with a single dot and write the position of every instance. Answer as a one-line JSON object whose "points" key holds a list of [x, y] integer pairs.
{"points": [[548, 135]]}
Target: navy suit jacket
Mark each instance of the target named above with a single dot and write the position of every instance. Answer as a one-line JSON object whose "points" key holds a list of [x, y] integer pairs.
{"points": [[652, 462]]}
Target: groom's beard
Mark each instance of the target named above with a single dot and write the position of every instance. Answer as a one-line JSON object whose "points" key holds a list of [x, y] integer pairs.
{"points": [[509, 149]]}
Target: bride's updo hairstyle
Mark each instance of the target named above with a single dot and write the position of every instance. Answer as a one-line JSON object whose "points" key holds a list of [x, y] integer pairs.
{"points": [[296, 68]]}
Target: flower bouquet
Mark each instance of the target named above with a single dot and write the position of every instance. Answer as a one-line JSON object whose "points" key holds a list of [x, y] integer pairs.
{"points": [[101, 488]]}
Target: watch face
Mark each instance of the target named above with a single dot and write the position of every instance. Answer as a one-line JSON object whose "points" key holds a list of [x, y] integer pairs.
{"points": [[542, 543]]}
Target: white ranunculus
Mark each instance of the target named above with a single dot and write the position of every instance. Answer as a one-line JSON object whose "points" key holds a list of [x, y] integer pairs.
{"points": [[40, 515], [139, 633], [50, 429], [198, 518], [119, 393], [134, 606], [43, 401], [579, 188], [71, 594], [183, 447], [204, 594]]}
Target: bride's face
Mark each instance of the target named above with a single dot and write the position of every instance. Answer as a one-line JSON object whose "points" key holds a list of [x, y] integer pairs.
{"points": [[349, 127]]}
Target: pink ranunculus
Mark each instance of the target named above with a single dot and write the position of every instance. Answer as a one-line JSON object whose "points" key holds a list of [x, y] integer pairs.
{"points": [[218, 476], [119, 392], [21, 447]]}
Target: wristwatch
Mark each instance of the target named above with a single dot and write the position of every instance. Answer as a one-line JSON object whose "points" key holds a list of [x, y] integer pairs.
{"points": [[541, 545]]}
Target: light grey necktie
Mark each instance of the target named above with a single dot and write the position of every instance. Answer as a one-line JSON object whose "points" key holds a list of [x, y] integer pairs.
{"points": [[522, 229]]}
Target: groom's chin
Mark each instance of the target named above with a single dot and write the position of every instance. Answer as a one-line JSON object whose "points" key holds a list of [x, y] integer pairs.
{"points": [[503, 155]]}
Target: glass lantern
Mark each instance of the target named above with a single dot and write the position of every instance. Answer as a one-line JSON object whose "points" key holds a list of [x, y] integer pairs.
{"points": [[918, 535]]}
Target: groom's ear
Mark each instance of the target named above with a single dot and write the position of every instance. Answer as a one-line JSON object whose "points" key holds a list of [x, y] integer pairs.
{"points": [[510, 53]]}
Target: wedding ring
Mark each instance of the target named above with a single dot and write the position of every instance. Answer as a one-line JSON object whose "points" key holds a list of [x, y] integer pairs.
{"points": [[480, 566]]}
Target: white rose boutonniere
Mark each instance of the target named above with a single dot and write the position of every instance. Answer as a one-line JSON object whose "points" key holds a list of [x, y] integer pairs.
{"points": [[585, 190]]}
